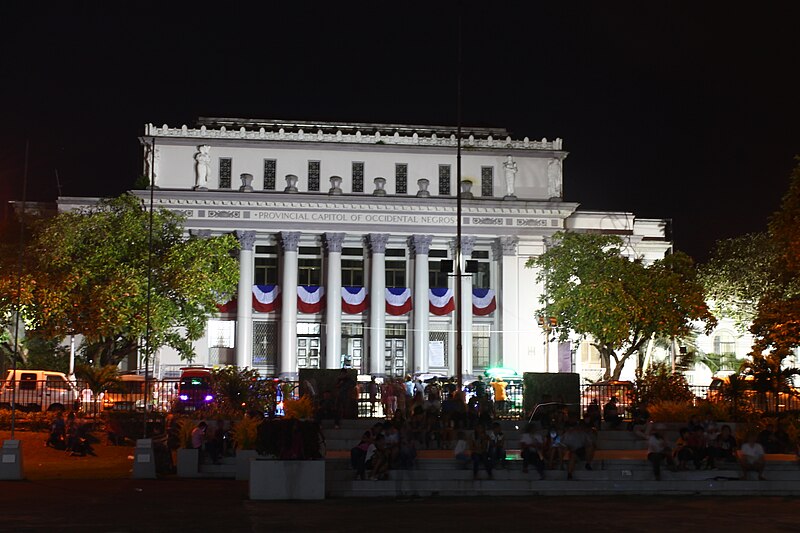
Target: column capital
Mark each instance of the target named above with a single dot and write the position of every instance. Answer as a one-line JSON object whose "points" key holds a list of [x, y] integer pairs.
{"points": [[467, 245], [246, 239], [334, 241], [420, 244], [200, 233], [504, 246], [377, 242], [290, 240]]}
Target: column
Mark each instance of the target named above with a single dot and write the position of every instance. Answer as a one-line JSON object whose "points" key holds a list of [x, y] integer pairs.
{"points": [[421, 245], [333, 299], [377, 302], [467, 245], [288, 355], [496, 337], [244, 300], [508, 303]]}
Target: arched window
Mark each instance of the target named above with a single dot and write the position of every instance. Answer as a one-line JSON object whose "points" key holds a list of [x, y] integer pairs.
{"points": [[724, 343]]}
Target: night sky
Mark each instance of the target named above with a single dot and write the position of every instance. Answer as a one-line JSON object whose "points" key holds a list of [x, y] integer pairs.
{"points": [[687, 111]]}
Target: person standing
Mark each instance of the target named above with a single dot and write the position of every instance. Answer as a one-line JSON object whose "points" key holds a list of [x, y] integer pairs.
{"points": [[499, 387]]}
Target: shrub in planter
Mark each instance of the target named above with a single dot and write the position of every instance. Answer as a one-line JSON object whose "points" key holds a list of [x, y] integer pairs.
{"points": [[670, 411], [245, 433], [289, 439]]}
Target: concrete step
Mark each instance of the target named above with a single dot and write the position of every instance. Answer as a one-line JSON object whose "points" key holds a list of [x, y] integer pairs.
{"points": [[485, 487]]}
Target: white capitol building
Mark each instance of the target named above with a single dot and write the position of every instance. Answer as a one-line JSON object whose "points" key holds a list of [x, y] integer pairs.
{"points": [[343, 231]]}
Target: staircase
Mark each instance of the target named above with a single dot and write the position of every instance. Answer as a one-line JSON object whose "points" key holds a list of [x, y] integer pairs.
{"points": [[620, 467]]}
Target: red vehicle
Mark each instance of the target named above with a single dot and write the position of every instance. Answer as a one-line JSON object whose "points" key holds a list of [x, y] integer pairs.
{"points": [[194, 390]]}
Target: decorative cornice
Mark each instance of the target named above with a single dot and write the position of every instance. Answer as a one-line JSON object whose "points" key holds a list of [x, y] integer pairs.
{"points": [[354, 138]]}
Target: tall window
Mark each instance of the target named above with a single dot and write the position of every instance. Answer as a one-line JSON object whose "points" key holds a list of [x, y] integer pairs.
{"points": [[401, 178], [265, 345], [444, 180], [352, 267], [309, 266], [436, 278], [313, 175], [266, 266], [480, 346], [481, 279], [395, 268], [724, 343], [270, 170], [225, 172], [358, 176], [487, 181]]}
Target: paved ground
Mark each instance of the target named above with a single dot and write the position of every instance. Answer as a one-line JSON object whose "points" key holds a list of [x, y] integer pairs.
{"points": [[124, 505]]}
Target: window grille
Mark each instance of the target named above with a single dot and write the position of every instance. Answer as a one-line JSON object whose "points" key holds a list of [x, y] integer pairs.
{"points": [[444, 180], [313, 175], [401, 178], [358, 176], [225, 172], [270, 170], [265, 346], [487, 181]]}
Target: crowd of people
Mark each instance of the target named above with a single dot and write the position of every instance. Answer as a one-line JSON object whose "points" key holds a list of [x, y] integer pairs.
{"points": [[71, 435], [705, 445]]}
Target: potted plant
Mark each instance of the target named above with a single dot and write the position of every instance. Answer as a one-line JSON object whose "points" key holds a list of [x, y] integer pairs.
{"points": [[188, 456], [290, 465], [245, 436]]}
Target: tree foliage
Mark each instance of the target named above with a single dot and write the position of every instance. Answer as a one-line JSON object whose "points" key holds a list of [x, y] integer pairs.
{"points": [[87, 272], [239, 390], [617, 303], [659, 384], [740, 272], [98, 378]]}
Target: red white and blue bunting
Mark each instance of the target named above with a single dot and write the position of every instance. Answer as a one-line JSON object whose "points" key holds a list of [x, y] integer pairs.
{"points": [[266, 298], [354, 300], [310, 298], [441, 301], [398, 301], [483, 302], [229, 307]]}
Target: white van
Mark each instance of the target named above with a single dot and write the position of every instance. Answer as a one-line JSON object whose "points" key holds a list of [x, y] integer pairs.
{"points": [[38, 390]]}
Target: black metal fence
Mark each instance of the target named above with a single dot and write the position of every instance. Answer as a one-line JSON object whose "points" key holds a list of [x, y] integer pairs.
{"points": [[133, 394]]}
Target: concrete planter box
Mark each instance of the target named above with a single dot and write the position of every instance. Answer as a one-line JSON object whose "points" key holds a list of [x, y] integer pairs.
{"points": [[287, 480], [243, 458], [188, 462]]}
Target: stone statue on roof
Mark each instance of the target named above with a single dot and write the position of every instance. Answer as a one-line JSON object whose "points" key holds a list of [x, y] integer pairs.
{"points": [[202, 167], [510, 170]]}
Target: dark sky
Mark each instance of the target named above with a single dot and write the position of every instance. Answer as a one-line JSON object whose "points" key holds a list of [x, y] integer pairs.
{"points": [[687, 111]]}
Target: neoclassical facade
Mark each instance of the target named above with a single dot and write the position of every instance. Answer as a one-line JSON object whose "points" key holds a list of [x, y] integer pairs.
{"points": [[346, 232]]}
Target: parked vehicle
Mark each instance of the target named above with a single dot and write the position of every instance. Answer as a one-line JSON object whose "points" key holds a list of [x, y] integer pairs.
{"points": [[128, 395], [38, 390], [194, 390]]}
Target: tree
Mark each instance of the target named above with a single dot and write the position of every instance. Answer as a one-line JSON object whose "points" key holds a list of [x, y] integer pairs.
{"points": [[98, 379], [741, 272], [87, 272], [771, 377], [617, 303]]}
